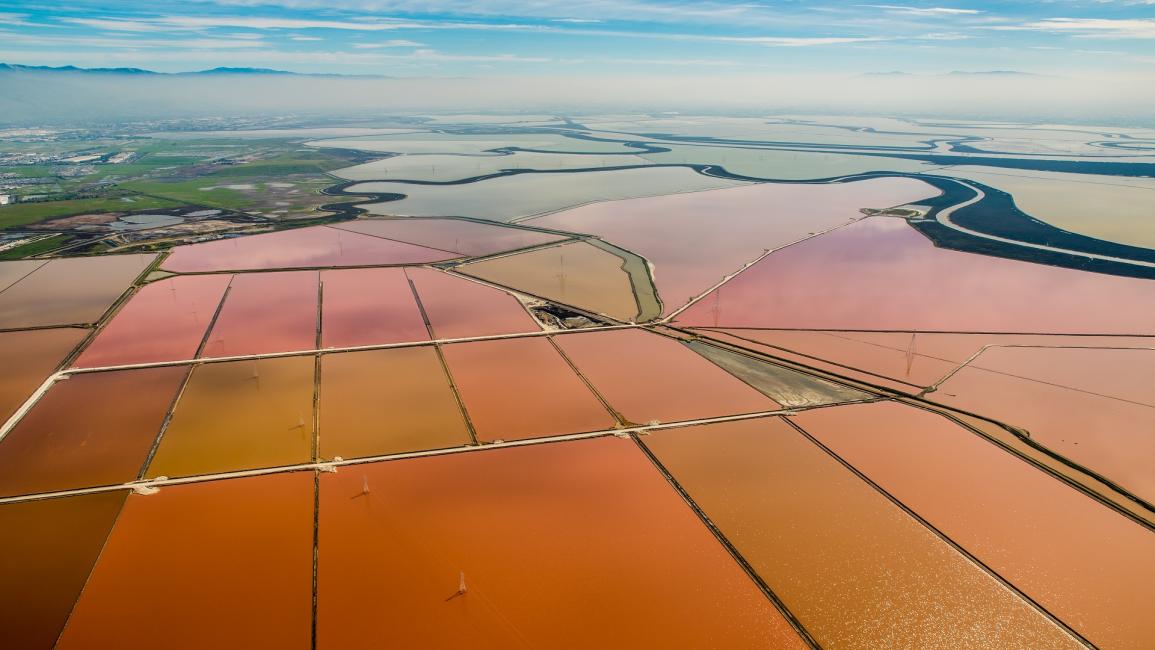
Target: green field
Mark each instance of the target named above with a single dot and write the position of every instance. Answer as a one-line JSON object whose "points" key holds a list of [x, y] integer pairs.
{"points": [[22, 214]]}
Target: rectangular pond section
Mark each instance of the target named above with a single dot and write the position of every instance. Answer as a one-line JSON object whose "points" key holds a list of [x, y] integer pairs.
{"points": [[522, 388], [164, 321], [1087, 564], [369, 307], [266, 312], [89, 430], [648, 377], [238, 415], [566, 545], [386, 402], [216, 564], [856, 570], [46, 554]]}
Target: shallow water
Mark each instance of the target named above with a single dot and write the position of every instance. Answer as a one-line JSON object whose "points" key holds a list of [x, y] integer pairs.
{"points": [[856, 570], [164, 321], [240, 415], [387, 402], [225, 563], [566, 545], [522, 388], [1085, 563], [84, 433]]}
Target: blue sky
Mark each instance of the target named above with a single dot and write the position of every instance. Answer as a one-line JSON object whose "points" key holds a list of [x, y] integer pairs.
{"points": [[571, 37]]}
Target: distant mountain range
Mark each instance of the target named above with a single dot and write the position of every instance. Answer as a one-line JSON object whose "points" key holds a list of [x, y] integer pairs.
{"points": [[958, 73], [7, 67]]}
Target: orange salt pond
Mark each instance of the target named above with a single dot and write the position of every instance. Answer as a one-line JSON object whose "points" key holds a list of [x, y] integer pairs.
{"points": [[522, 388], [856, 570], [577, 274], [266, 312], [369, 307], [694, 239], [84, 433], [881, 274], [647, 377], [458, 307], [28, 358], [566, 545], [46, 553], [1081, 404], [240, 415], [69, 291], [456, 235], [208, 565], [164, 321], [387, 401], [319, 246], [1085, 563]]}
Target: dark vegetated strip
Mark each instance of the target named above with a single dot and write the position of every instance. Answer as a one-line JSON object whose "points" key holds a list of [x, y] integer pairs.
{"points": [[997, 215]]}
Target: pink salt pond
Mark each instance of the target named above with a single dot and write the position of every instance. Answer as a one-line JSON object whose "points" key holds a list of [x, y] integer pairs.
{"points": [[320, 246], [882, 274]]}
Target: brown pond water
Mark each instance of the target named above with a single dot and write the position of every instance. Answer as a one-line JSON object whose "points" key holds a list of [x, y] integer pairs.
{"points": [[387, 402], [28, 358], [1086, 564], [88, 430], [46, 553], [856, 570], [208, 565], [566, 545], [70, 291], [577, 274], [240, 415]]}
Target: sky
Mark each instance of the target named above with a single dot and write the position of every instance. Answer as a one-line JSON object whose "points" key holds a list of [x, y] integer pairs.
{"points": [[556, 38]]}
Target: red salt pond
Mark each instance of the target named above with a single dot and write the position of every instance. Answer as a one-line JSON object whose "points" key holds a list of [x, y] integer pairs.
{"points": [[1077, 403], [88, 430], [46, 553], [369, 307], [881, 274], [1086, 564], [458, 235], [566, 545], [460, 308], [522, 388], [69, 291], [224, 564], [648, 377], [266, 312], [164, 321], [319, 246], [855, 569], [695, 239], [28, 358]]}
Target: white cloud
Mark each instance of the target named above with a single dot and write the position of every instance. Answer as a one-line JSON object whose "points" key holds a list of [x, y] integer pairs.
{"points": [[925, 11], [1088, 27], [397, 42]]}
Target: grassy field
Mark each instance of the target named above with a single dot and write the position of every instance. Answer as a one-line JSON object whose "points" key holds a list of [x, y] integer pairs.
{"points": [[22, 214]]}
